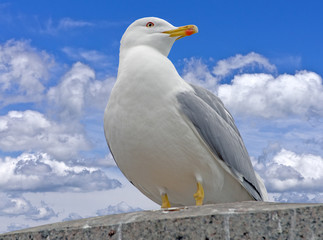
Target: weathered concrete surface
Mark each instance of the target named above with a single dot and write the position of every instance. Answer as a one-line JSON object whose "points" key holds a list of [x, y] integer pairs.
{"points": [[243, 220]]}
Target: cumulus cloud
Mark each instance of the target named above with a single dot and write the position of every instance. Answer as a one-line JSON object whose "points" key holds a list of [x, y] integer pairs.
{"points": [[268, 96], [288, 171], [78, 90], [98, 93], [196, 71], [17, 205], [265, 95], [23, 72], [31, 130], [38, 172], [121, 207], [69, 94], [298, 197], [105, 162], [239, 62]]}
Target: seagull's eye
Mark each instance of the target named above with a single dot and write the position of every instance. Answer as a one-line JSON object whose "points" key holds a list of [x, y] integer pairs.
{"points": [[150, 24]]}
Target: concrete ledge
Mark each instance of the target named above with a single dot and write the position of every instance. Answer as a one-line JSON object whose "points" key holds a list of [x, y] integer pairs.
{"points": [[243, 220]]}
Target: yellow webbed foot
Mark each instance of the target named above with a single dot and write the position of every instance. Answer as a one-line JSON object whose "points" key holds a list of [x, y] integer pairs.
{"points": [[199, 195], [165, 202]]}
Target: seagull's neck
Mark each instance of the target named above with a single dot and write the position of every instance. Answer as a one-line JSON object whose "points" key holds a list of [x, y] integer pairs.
{"points": [[144, 73], [140, 51], [146, 66]]}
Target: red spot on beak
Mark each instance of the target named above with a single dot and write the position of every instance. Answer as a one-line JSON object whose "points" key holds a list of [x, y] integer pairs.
{"points": [[189, 31]]}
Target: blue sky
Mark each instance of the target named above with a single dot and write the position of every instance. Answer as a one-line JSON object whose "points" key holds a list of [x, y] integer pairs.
{"points": [[58, 63]]}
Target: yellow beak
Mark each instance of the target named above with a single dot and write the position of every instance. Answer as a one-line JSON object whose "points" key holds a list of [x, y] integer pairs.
{"points": [[183, 31]]}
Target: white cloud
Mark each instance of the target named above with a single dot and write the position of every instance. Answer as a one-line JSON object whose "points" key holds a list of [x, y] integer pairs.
{"points": [[196, 71], [13, 206], [54, 27], [69, 94], [98, 93], [239, 62], [78, 90], [259, 94], [105, 162], [288, 171], [31, 130], [309, 166], [298, 197], [23, 72], [121, 207], [268, 96], [43, 212], [38, 172], [67, 23], [91, 56]]}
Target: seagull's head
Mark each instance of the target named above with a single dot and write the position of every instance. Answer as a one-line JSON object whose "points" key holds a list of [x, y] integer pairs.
{"points": [[154, 32]]}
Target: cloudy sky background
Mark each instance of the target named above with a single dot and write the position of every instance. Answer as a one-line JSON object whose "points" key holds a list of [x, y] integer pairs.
{"points": [[58, 64]]}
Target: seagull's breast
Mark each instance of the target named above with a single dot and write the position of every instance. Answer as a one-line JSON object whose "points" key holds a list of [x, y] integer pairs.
{"points": [[151, 140], [142, 120], [146, 132]]}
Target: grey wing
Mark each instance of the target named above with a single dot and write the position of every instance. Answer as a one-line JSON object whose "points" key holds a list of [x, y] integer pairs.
{"points": [[216, 126]]}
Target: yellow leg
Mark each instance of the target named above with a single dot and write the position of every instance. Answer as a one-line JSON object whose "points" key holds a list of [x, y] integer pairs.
{"points": [[165, 202], [199, 195]]}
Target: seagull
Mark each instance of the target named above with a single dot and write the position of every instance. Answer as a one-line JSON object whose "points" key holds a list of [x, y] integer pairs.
{"points": [[174, 141]]}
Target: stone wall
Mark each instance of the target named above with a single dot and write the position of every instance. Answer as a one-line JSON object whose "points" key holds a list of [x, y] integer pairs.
{"points": [[243, 220]]}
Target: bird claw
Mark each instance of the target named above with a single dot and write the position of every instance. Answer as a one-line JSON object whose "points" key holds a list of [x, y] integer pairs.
{"points": [[199, 195], [165, 201]]}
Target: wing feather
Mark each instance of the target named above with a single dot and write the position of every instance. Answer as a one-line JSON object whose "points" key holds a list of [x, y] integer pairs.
{"points": [[216, 126]]}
